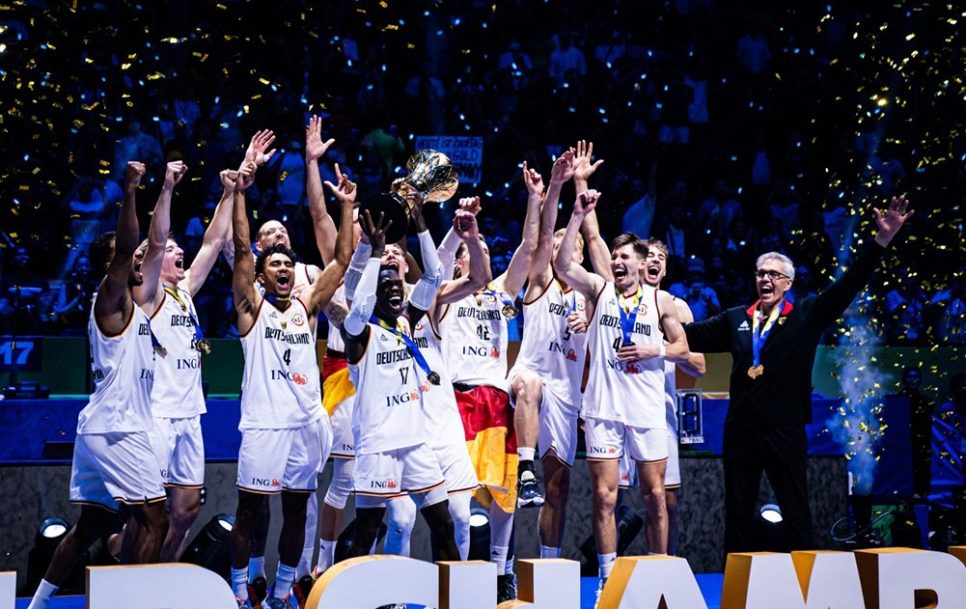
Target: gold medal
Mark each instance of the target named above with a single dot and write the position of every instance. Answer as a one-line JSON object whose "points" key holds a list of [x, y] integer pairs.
{"points": [[756, 371], [203, 346], [509, 311]]}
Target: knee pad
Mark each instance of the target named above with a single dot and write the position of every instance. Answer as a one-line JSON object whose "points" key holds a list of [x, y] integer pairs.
{"points": [[341, 486]]}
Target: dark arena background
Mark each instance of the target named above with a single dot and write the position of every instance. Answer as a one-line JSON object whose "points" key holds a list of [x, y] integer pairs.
{"points": [[727, 129]]}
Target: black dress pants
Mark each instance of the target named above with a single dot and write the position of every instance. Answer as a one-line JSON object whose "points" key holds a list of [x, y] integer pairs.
{"points": [[780, 452]]}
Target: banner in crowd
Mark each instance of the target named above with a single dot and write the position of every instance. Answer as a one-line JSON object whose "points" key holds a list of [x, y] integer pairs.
{"points": [[466, 152]]}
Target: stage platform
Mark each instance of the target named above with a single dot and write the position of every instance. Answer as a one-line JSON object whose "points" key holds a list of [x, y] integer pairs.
{"points": [[710, 584]]}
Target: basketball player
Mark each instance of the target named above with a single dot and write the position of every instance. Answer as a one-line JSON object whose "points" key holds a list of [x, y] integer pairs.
{"points": [[444, 426], [177, 401], [285, 434], [623, 407], [113, 461], [654, 272], [391, 376], [545, 380], [474, 332]]}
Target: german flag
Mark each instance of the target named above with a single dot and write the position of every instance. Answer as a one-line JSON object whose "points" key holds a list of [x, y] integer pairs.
{"points": [[491, 442]]}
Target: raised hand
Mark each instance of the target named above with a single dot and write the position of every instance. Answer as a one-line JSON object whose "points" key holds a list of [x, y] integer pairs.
{"points": [[258, 151], [586, 202], [345, 190], [563, 168], [584, 167], [464, 223], [228, 178], [132, 175], [532, 180], [246, 175], [375, 231], [173, 174], [891, 220], [471, 205], [314, 146]]}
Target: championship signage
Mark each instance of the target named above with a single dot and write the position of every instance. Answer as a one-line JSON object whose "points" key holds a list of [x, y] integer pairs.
{"points": [[886, 578]]}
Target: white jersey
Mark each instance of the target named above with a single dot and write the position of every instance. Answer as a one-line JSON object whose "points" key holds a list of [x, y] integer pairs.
{"points": [[671, 396], [123, 371], [548, 347], [280, 383], [177, 374], [629, 392], [388, 413], [443, 422], [474, 333]]}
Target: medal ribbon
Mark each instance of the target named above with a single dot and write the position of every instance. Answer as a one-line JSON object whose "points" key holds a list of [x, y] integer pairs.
{"points": [[627, 320], [492, 291], [760, 334], [174, 292], [410, 345]]}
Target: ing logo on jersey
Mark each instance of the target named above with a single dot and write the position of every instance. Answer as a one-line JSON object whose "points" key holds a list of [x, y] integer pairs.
{"points": [[494, 352], [296, 377], [572, 355], [382, 484], [298, 320], [625, 477]]}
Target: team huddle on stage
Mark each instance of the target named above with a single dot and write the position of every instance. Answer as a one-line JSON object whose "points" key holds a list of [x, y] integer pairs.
{"points": [[415, 402]]}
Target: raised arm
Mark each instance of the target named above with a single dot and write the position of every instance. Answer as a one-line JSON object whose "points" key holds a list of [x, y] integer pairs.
{"points": [[832, 301], [322, 224], [355, 327], [149, 294], [540, 271], [244, 294], [113, 305], [216, 235], [588, 284], [464, 225], [446, 252], [328, 282], [512, 280], [597, 249]]}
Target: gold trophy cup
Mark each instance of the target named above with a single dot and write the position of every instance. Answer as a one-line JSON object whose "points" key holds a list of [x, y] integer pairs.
{"points": [[431, 175]]}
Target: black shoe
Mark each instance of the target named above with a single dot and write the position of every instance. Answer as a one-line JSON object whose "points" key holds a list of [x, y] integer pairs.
{"points": [[529, 493], [257, 590], [506, 588], [302, 588]]}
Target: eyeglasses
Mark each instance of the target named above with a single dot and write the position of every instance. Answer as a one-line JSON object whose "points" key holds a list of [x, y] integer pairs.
{"points": [[773, 275]]}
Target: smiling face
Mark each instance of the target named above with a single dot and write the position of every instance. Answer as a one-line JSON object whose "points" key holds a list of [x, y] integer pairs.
{"points": [[626, 264], [270, 233], [390, 294], [172, 265], [655, 266], [278, 275], [393, 257], [772, 281]]}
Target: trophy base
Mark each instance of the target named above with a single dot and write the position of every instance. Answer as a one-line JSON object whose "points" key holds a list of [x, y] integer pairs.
{"points": [[393, 207]]}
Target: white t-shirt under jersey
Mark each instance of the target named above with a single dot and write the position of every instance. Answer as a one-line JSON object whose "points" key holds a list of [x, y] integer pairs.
{"points": [[548, 347], [123, 369], [388, 413], [280, 383], [629, 392], [474, 333], [177, 375]]}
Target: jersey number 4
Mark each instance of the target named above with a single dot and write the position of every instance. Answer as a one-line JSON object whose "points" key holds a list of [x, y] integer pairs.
{"points": [[287, 357]]}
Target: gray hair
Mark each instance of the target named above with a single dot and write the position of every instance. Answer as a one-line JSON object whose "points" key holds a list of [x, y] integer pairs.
{"points": [[785, 260]]}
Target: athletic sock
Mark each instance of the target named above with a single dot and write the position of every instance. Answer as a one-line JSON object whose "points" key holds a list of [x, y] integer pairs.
{"points": [[549, 552], [45, 592], [239, 582], [606, 562], [284, 578]]}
